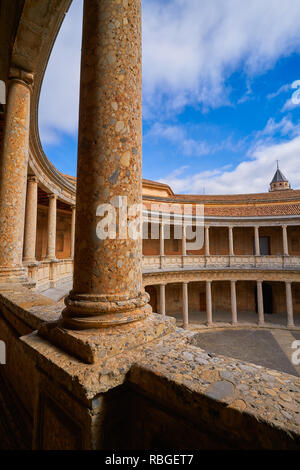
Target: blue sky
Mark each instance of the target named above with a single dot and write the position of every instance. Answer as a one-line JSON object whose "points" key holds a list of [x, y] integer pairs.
{"points": [[218, 81]]}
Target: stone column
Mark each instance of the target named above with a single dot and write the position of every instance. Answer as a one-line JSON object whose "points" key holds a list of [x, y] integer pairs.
{"points": [[108, 287], [256, 238], [162, 244], [208, 303], [185, 304], [162, 298], [233, 303], [30, 220], [289, 304], [260, 303], [73, 231], [285, 241], [207, 253], [13, 175], [51, 246], [184, 240], [231, 246]]}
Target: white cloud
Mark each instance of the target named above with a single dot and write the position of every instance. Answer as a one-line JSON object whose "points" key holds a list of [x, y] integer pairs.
{"points": [[58, 107], [179, 136], [250, 176], [191, 47]]}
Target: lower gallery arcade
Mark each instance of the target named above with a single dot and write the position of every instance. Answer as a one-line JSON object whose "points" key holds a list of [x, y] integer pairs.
{"points": [[234, 302]]}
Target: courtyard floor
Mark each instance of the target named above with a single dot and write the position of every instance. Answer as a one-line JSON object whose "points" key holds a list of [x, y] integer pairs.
{"points": [[268, 348]]}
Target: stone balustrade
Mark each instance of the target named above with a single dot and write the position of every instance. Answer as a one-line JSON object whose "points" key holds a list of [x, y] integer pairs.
{"points": [[47, 273], [219, 261]]}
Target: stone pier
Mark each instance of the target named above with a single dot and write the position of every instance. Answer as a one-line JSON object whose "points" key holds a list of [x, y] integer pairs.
{"points": [[107, 291], [13, 175], [30, 220]]}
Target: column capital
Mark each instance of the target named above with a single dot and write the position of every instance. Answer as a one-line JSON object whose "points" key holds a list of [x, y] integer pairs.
{"points": [[32, 179], [23, 76], [52, 196], [284, 226]]}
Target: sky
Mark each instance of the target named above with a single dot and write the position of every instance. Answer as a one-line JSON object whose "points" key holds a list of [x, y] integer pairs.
{"points": [[220, 94]]}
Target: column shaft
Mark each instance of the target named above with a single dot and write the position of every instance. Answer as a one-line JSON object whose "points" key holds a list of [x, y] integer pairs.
{"points": [[73, 232], [185, 304], [13, 176], [30, 220], [289, 304], [107, 266], [161, 240], [207, 252], [231, 246], [51, 247], [256, 239], [183, 240], [162, 299], [208, 303], [233, 302], [260, 303], [285, 241]]}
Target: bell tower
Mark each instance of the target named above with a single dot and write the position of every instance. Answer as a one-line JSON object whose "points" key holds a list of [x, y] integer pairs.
{"points": [[279, 181]]}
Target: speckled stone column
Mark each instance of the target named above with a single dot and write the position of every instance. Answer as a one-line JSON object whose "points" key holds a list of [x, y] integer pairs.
{"points": [[108, 273], [256, 241], [13, 175], [73, 232], [208, 303], [30, 220], [51, 246], [289, 304], [231, 246], [185, 304], [233, 302], [285, 241], [207, 252], [162, 298], [260, 303]]}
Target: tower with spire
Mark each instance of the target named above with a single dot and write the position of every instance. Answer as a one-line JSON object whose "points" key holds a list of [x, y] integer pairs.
{"points": [[279, 181]]}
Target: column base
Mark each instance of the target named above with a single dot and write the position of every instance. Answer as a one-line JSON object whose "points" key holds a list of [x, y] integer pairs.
{"points": [[91, 346]]}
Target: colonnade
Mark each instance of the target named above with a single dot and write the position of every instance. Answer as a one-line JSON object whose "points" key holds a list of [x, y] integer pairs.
{"points": [[231, 252], [233, 295]]}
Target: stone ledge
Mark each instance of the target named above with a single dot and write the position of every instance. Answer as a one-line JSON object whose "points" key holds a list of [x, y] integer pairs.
{"points": [[91, 346], [207, 389]]}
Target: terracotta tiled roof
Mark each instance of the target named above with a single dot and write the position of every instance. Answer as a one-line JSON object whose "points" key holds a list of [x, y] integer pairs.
{"points": [[277, 203]]}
